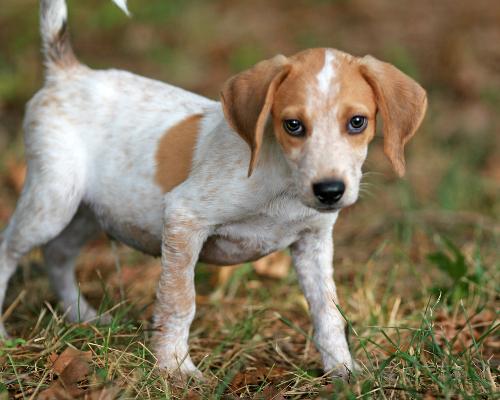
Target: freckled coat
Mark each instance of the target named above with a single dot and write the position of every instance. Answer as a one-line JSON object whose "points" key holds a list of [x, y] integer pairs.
{"points": [[174, 174]]}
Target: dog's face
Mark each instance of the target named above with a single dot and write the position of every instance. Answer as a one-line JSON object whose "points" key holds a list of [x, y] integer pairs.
{"points": [[324, 117], [322, 104]]}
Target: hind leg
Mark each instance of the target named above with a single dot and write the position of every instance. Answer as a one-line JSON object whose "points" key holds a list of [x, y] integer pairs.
{"points": [[48, 202], [60, 258]]}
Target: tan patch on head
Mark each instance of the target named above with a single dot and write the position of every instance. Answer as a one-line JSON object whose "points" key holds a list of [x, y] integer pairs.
{"points": [[292, 97], [301, 97], [175, 153], [247, 99], [355, 97]]}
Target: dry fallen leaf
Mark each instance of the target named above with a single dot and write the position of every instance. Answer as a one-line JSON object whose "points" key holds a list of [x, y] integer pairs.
{"points": [[223, 274], [76, 371], [462, 333], [275, 265], [5, 213], [272, 393], [255, 376], [59, 362], [72, 367], [16, 173]]}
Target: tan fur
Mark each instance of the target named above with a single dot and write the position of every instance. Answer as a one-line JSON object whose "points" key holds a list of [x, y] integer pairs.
{"points": [[402, 103], [356, 97], [247, 99], [292, 97], [175, 153], [278, 86]]}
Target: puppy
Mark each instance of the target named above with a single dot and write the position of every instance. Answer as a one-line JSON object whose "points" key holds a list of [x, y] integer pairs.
{"points": [[177, 175]]}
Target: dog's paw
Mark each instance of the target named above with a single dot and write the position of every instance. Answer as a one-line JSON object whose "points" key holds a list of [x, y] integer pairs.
{"points": [[344, 371], [182, 370]]}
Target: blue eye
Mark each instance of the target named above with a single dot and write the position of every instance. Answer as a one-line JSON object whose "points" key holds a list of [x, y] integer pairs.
{"points": [[294, 127], [357, 124]]}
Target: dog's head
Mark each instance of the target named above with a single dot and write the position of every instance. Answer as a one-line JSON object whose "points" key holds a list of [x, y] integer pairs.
{"points": [[323, 105]]}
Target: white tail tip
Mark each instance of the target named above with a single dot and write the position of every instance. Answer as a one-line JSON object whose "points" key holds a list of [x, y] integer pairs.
{"points": [[123, 5]]}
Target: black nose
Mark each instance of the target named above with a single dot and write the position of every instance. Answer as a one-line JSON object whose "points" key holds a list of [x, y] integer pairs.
{"points": [[329, 192]]}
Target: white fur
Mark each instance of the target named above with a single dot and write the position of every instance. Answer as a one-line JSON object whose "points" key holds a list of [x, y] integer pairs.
{"points": [[53, 13], [312, 256], [327, 73]]}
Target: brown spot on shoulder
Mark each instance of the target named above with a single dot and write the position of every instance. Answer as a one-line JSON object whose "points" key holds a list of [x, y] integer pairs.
{"points": [[175, 153]]}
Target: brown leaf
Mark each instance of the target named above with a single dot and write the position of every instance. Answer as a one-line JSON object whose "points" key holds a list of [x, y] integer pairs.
{"points": [[61, 361], [72, 366], [57, 391], [5, 213], [76, 371], [223, 274], [463, 333], [272, 393], [16, 174], [275, 265], [255, 376]]}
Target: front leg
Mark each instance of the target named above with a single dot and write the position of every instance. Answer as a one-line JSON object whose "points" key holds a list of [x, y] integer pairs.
{"points": [[313, 259], [183, 238]]}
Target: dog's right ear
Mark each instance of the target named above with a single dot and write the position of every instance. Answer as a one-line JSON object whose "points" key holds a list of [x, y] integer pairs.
{"points": [[247, 99]]}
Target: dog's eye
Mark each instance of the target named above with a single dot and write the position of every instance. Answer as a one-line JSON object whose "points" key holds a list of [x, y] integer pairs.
{"points": [[357, 124], [294, 127]]}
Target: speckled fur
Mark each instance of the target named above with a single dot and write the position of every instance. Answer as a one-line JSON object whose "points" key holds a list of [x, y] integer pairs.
{"points": [[91, 139]]}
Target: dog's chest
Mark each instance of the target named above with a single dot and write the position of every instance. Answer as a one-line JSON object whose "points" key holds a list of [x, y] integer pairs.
{"points": [[255, 236]]}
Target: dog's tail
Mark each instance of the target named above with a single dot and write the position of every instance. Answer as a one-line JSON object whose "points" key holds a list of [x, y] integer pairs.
{"points": [[56, 46]]}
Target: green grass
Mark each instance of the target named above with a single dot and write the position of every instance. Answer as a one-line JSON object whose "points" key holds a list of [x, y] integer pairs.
{"points": [[257, 336]]}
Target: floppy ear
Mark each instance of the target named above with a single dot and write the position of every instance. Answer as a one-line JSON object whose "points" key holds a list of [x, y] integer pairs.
{"points": [[247, 99], [402, 103]]}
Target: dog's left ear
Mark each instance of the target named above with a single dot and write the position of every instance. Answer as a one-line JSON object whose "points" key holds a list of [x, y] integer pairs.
{"points": [[402, 103], [247, 99]]}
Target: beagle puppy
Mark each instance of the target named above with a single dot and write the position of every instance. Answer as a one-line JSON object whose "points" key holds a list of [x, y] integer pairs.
{"points": [[177, 175]]}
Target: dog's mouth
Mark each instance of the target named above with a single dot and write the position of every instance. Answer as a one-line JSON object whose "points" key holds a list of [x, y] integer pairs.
{"points": [[324, 208], [331, 208], [328, 209]]}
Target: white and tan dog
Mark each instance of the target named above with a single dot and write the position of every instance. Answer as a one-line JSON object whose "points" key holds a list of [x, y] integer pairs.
{"points": [[174, 174]]}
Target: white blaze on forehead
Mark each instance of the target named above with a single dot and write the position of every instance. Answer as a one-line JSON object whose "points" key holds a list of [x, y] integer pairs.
{"points": [[327, 73]]}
